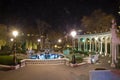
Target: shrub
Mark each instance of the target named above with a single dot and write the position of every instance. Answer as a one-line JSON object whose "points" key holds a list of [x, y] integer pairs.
{"points": [[5, 50], [92, 53], [21, 51], [81, 52], [7, 60], [79, 59]]}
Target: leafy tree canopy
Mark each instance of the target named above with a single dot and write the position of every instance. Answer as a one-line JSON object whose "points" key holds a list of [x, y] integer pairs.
{"points": [[98, 21], [3, 32]]}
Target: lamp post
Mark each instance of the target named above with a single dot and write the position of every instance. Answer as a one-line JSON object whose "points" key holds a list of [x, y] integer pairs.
{"points": [[73, 34], [39, 44], [11, 43], [60, 45], [15, 34]]}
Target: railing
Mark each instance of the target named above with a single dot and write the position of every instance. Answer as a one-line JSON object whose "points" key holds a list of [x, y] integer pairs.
{"points": [[48, 61]]}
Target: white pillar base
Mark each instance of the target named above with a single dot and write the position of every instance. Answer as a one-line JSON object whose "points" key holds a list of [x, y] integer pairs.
{"points": [[89, 50], [105, 53], [100, 52], [79, 50], [113, 65]]}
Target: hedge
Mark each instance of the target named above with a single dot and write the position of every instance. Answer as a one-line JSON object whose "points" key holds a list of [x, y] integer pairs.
{"points": [[7, 60]]}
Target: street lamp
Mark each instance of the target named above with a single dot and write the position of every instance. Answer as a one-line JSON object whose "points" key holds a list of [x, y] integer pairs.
{"points": [[39, 43], [11, 43], [59, 40], [15, 34], [60, 45], [39, 40], [73, 34], [11, 39]]}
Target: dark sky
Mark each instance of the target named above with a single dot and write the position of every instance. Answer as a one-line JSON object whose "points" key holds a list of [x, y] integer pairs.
{"points": [[55, 12]]}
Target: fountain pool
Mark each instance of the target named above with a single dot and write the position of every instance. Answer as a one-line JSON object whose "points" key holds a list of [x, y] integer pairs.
{"points": [[47, 56]]}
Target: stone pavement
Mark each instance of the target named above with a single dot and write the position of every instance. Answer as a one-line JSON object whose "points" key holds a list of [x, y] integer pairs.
{"points": [[48, 72], [51, 72]]}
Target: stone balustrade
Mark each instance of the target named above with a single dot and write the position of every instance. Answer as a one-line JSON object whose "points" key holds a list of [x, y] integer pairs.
{"points": [[22, 63], [48, 61]]}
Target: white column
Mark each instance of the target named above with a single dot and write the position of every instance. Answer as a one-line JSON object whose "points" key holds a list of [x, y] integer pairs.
{"points": [[105, 47], [113, 54], [74, 43], [95, 46], [90, 46], [79, 45], [110, 47], [84, 46], [101, 47]]}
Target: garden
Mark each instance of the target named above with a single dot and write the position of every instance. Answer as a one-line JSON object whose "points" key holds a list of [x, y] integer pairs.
{"points": [[76, 56], [6, 55]]}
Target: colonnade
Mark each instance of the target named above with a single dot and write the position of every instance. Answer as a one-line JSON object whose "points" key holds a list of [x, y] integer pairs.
{"points": [[95, 42], [101, 43]]}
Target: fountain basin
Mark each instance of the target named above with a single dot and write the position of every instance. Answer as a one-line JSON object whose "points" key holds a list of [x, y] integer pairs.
{"points": [[45, 56]]}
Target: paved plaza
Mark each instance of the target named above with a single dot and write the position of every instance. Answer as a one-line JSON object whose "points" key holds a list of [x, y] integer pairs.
{"points": [[51, 72]]}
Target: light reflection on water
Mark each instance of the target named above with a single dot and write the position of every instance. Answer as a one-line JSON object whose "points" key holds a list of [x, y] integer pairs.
{"points": [[46, 56]]}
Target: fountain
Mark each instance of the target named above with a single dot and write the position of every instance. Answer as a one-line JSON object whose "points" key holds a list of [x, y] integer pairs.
{"points": [[46, 55]]}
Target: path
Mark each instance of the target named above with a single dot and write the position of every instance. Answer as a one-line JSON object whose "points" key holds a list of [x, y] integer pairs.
{"points": [[51, 72]]}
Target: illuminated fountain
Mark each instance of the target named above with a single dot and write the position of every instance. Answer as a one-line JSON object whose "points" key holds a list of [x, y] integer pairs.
{"points": [[46, 55]]}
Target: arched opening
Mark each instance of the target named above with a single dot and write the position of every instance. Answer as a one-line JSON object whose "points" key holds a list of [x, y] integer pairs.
{"points": [[93, 44], [82, 41], [108, 45]]}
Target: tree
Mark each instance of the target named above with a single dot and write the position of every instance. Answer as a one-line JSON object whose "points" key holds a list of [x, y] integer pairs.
{"points": [[3, 32], [3, 35], [98, 21], [43, 29]]}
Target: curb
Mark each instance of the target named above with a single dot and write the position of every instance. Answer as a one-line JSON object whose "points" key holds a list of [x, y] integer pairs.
{"points": [[11, 67], [76, 65]]}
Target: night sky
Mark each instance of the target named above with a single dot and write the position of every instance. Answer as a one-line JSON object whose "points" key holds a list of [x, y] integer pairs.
{"points": [[25, 13]]}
